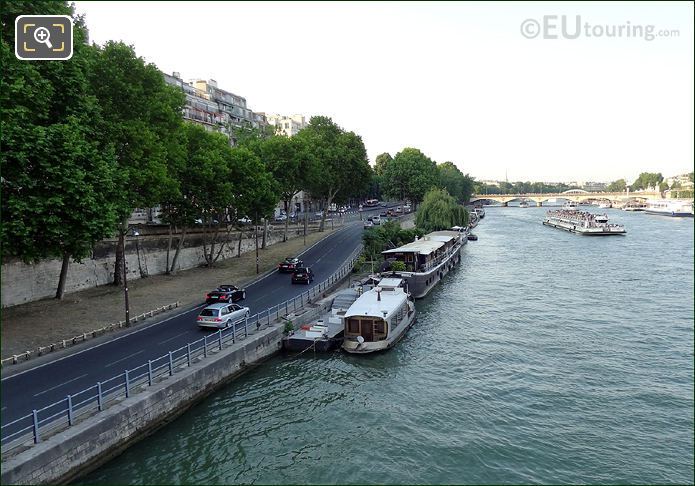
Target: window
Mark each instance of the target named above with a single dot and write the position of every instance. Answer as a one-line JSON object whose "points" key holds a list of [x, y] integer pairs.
{"points": [[353, 326]]}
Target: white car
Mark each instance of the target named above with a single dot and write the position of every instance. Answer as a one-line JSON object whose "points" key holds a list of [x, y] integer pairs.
{"points": [[245, 220], [368, 224], [376, 220], [218, 316]]}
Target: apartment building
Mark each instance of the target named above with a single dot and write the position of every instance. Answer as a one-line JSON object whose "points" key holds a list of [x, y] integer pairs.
{"points": [[287, 125]]}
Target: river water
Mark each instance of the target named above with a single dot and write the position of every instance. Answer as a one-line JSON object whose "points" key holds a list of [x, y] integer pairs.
{"points": [[546, 357]]}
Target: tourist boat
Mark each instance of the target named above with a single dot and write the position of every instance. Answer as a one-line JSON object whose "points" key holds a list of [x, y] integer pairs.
{"points": [[523, 204], [569, 205], [480, 212], [635, 206], [428, 259], [326, 333], [669, 207], [605, 205], [379, 318], [583, 223]]}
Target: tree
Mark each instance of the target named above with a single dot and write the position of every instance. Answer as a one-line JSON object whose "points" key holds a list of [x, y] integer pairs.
{"points": [[646, 180], [439, 211], [458, 185], [142, 118], [410, 175], [691, 176], [617, 186], [339, 167], [56, 177], [382, 161]]}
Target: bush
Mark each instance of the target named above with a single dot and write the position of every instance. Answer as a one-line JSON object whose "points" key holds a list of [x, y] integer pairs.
{"points": [[289, 327]]}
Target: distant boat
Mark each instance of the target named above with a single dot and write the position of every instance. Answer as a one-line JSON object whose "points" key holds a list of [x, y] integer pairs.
{"points": [[523, 204], [605, 205], [669, 207], [635, 206], [571, 205]]}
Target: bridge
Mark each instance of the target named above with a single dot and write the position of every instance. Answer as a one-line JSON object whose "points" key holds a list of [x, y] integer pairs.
{"points": [[576, 195]]}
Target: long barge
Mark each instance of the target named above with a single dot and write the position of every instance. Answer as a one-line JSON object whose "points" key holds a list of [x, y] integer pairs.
{"points": [[583, 223]]}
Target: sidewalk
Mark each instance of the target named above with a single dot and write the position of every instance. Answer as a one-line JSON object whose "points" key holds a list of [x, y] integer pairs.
{"points": [[40, 323]]}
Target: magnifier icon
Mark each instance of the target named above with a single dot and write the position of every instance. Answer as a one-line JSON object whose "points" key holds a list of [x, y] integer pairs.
{"points": [[43, 36]]}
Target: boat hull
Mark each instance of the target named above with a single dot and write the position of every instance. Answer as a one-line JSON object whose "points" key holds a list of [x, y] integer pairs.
{"points": [[674, 214], [420, 283], [297, 344], [583, 231]]}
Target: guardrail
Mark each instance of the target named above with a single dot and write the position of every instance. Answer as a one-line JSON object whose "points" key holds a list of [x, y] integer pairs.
{"points": [[32, 428]]}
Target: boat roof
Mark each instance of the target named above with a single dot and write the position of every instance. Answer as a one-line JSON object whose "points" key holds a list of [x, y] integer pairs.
{"points": [[368, 305], [390, 282], [425, 245], [344, 299]]}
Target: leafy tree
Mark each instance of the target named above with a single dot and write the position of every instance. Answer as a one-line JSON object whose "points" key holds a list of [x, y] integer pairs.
{"points": [[339, 168], [691, 177], [663, 186], [386, 236], [647, 179], [141, 121], [56, 178], [381, 162], [617, 186], [458, 185], [410, 175], [439, 211]]}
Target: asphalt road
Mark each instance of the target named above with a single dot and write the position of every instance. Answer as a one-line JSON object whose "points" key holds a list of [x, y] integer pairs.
{"points": [[50, 382]]}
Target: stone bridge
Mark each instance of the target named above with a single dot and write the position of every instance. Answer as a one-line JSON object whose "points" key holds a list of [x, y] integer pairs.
{"points": [[576, 195]]}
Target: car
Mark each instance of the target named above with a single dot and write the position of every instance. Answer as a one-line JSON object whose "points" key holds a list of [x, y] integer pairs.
{"points": [[319, 214], [281, 217], [368, 224], [225, 293], [219, 316], [289, 265], [303, 275], [399, 209], [383, 214], [406, 208], [376, 220], [384, 204], [245, 220]]}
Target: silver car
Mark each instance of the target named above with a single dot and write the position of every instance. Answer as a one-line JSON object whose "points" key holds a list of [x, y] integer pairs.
{"points": [[218, 316]]}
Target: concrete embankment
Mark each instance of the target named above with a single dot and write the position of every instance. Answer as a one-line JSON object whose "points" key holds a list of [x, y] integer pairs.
{"points": [[90, 443]]}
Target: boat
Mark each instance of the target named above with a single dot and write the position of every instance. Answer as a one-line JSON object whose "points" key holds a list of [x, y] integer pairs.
{"points": [[428, 259], [669, 207], [473, 219], [583, 223], [472, 237], [635, 206], [523, 204], [379, 318], [569, 205], [605, 205], [326, 333], [480, 212]]}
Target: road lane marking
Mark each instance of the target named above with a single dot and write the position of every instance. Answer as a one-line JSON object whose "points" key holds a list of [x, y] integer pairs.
{"points": [[174, 337], [135, 331], [123, 359], [58, 386]]}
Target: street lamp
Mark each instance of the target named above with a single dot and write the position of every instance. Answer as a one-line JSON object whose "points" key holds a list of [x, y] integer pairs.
{"points": [[134, 232]]}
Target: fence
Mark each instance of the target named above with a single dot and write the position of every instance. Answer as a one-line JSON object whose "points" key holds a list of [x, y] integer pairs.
{"points": [[33, 427]]}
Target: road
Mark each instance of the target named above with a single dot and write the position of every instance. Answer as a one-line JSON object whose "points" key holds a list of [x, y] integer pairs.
{"points": [[50, 382]]}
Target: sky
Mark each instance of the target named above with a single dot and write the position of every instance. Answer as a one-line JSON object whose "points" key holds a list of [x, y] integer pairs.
{"points": [[500, 89]]}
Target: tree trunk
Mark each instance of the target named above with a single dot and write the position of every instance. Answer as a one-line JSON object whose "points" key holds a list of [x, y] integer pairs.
{"points": [[287, 220], [63, 276], [265, 233], [120, 259], [179, 245], [241, 237], [167, 271]]}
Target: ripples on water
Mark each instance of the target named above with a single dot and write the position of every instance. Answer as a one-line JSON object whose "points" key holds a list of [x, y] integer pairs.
{"points": [[546, 357]]}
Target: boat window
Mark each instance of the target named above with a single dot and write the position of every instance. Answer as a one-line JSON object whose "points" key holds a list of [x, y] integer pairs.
{"points": [[353, 326], [379, 330]]}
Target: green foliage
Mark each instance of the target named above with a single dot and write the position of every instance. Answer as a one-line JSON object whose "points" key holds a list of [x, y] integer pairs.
{"points": [[410, 175], [289, 327], [398, 266], [617, 186], [439, 211], [691, 177], [458, 185], [381, 162], [647, 179], [386, 236], [663, 186]]}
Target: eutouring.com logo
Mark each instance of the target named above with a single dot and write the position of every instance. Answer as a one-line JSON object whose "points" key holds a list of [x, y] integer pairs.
{"points": [[572, 27]]}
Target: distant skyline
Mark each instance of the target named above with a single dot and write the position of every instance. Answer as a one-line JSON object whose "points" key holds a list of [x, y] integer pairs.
{"points": [[459, 81]]}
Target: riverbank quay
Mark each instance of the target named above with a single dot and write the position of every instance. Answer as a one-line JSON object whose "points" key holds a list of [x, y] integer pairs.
{"points": [[28, 327], [149, 400]]}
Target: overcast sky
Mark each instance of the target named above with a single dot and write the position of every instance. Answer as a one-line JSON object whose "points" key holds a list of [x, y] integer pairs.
{"points": [[460, 81]]}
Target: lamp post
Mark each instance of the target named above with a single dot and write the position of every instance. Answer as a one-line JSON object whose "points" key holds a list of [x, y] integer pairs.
{"points": [[256, 219], [125, 276]]}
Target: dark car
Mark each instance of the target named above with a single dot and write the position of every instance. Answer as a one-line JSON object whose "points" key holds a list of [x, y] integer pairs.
{"points": [[289, 265], [303, 275], [225, 294]]}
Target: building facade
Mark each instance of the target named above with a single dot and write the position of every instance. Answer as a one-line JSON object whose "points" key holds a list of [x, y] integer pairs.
{"points": [[287, 125]]}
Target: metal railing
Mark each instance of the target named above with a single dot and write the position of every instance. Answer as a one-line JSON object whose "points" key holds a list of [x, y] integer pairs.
{"points": [[40, 423]]}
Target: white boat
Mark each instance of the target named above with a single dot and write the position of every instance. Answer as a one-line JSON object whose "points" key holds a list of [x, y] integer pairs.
{"points": [[605, 205], [669, 207], [583, 223], [635, 206], [379, 318], [523, 204], [569, 205]]}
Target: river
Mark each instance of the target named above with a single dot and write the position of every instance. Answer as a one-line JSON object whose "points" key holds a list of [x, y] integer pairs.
{"points": [[546, 357]]}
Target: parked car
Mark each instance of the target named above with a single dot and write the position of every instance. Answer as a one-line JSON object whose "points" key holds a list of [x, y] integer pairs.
{"points": [[225, 293], [218, 316], [368, 223], [303, 275], [399, 209], [280, 217], [376, 220], [245, 220], [319, 214], [289, 265], [406, 208], [383, 214]]}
